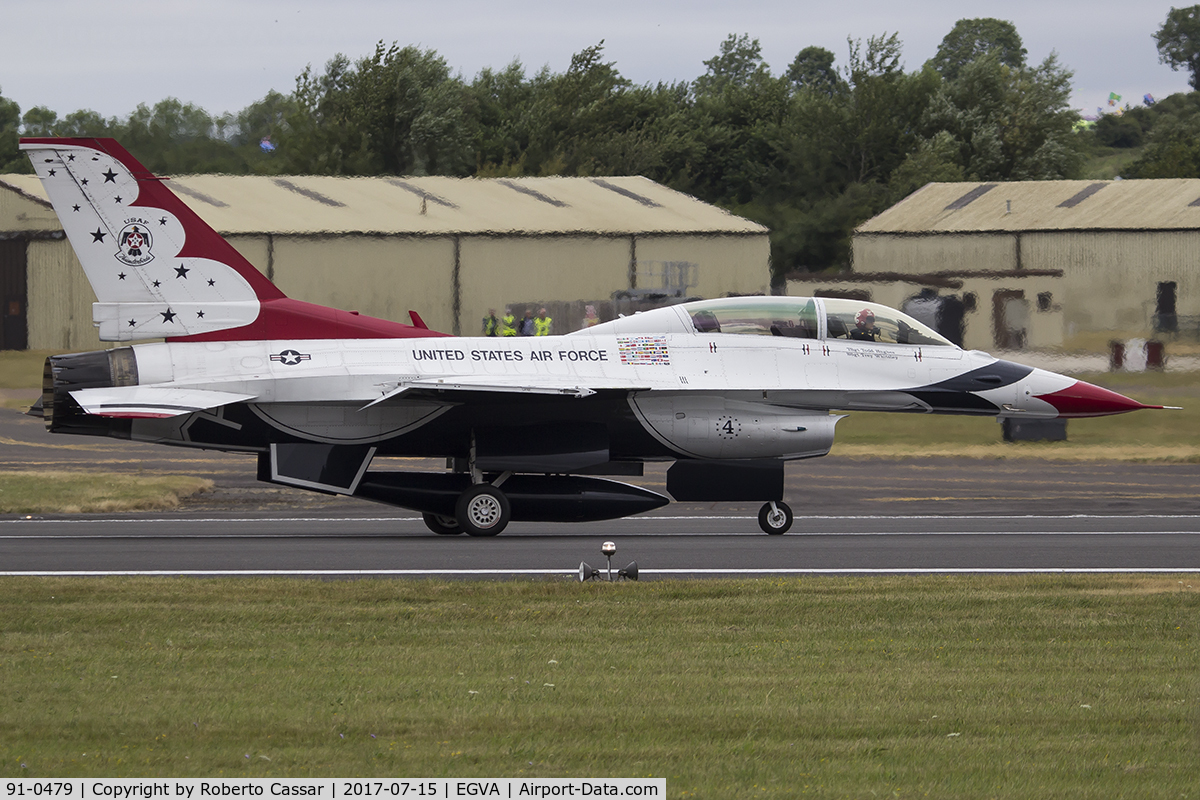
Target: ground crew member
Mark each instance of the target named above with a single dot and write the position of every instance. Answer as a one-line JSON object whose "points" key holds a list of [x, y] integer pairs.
{"points": [[491, 325], [526, 326], [541, 325], [508, 323]]}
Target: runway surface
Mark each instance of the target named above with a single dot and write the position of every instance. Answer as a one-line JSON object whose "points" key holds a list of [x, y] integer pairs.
{"points": [[853, 516], [663, 546]]}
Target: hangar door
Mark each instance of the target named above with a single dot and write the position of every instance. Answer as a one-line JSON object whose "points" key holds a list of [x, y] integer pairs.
{"points": [[14, 334]]}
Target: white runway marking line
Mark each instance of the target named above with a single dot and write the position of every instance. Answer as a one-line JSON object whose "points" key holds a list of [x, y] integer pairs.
{"points": [[333, 573], [513, 535]]}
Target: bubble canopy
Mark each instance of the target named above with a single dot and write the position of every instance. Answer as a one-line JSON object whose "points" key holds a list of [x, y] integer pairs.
{"points": [[811, 318]]}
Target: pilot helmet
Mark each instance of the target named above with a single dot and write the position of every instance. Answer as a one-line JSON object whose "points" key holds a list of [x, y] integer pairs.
{"points": [[865, 318]]}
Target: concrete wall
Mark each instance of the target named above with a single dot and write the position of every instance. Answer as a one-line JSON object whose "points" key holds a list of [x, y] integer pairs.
{"points": [[922, 255], [1110, 279], [60, 299], [1108, 287], [495, 272], [725, 264], [255, 249], [19, 213], [374, 275]]}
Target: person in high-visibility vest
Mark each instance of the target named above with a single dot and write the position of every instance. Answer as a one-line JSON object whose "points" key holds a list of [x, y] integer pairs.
{"points": [[508, 323], [541, 325], [491, 323]]}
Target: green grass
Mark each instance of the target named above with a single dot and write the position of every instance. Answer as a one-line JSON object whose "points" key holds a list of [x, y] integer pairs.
{"points": [[943, 687], [84, 492], [1138, 436]]}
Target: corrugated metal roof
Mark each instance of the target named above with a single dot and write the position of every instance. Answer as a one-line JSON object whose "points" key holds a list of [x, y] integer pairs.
{"points": [[28, 186], [1167, 204], [440, 205]]}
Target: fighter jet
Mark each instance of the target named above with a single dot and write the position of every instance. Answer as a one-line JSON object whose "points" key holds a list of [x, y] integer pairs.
{"points": [[727, 389]]}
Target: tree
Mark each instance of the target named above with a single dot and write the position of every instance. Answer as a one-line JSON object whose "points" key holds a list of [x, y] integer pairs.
{"points": [[11, 157], [737, 107], [264, 119], [1179, 42], [813, 70], [878, 122], [1009, 123], [1118, 131], [502, 100], [174, 138], [86, 122], [1172, 152], [738, 65], [934, 161], [833, 157], [39, 121], [398, 112], [572, 113], [970, 39]]}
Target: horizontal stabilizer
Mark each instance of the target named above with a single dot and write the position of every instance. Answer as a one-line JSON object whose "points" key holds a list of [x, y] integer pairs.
{"points": [[151, 402]]}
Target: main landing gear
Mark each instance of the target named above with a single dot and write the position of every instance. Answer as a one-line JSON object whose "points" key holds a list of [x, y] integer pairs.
{"points": [[442, 525], [482, 510], [775, 517]]}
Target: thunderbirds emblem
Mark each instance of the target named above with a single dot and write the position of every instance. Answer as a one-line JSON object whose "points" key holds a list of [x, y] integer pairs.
{"points": [[133, 245]]}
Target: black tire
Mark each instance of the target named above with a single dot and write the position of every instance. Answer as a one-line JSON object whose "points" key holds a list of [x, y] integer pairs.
{"points": [[482, 510], [777, 520], [441, 525]]}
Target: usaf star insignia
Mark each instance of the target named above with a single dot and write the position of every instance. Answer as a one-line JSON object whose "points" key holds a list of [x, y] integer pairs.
{"points": [[290, 358]]}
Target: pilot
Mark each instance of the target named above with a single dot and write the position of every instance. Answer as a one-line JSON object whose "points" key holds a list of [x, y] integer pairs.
{"points": [[864, 327]]}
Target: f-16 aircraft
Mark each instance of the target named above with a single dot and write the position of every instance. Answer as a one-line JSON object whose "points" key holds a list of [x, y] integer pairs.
{"points": [[728, 389]]}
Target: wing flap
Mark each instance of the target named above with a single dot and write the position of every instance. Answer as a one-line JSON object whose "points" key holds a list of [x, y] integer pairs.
{"points": [[152, 402]]}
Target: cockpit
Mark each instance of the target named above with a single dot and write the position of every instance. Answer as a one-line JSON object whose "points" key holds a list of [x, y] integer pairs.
{"points": [[810, 318]]}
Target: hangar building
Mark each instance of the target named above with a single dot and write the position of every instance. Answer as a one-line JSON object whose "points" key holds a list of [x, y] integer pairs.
{"points": [[1037, 264], [448, 248]]}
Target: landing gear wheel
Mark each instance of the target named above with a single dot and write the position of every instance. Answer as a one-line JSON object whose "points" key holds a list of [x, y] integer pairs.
{"points": [[775, 517], [442, 525], [482, 510]]}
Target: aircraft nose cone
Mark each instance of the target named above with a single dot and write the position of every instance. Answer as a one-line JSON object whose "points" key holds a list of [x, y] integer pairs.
{"points": [[1083, 399]]}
